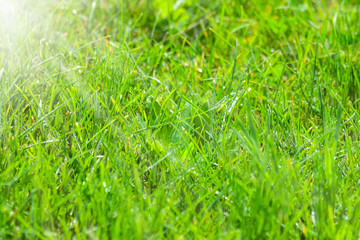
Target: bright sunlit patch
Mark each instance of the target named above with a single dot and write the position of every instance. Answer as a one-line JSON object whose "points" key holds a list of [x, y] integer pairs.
{"points": [[8, 10]]}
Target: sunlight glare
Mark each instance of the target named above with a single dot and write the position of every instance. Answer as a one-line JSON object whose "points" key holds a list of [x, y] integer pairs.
{"points": [[7, 13]]}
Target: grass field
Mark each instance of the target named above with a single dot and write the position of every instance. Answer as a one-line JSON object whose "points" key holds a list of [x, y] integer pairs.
{"points": [[187, 119]]}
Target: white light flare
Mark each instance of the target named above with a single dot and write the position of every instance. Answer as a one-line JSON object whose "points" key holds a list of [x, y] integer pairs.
{"points": [[8, 12]]}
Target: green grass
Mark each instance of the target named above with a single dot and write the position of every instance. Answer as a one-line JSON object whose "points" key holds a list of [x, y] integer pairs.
{"points": [[191, 119]]}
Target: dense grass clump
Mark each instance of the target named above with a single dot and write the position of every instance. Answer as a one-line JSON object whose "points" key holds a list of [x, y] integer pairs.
{"points": [[185, 119]]}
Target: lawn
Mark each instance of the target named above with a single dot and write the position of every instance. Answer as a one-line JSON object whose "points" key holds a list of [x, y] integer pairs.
{"points": [[179, 119]]}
